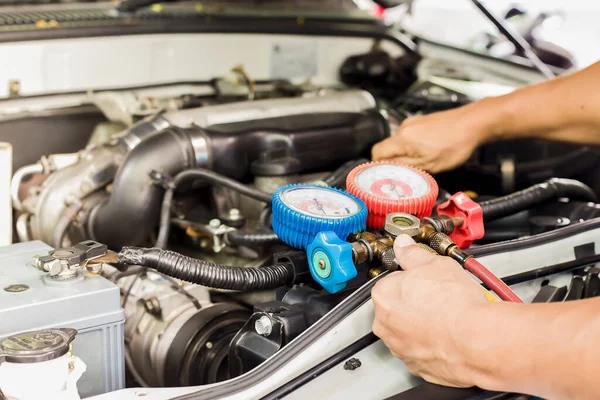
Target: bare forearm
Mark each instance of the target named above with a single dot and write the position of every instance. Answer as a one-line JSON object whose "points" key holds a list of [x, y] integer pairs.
{"points": [[564, 109], [542, 349]]}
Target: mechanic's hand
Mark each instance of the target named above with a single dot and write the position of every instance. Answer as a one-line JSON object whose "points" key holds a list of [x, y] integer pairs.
{"points": [[419, 313], [435, 142]]}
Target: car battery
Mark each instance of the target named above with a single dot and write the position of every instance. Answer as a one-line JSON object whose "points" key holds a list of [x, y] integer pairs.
{"points": [[30, 300]]}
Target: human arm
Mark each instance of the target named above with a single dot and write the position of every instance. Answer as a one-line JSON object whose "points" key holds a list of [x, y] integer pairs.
{"points": [[437, 319], [563, 109]]}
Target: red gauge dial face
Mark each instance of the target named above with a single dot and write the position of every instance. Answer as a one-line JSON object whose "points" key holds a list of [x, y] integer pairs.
{"points": [[394, 182], [391, 189]]}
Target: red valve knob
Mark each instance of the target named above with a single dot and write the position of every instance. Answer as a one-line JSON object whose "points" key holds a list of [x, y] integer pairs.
{"points": [[461, 205], [389, 186]]}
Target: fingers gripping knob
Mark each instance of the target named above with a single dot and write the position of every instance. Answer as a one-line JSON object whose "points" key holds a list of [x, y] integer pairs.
{"points": [[330, 261]]}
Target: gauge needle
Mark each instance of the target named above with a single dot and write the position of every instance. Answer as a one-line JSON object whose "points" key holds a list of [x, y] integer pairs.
{"points": [[319, 206], [393, 189]]}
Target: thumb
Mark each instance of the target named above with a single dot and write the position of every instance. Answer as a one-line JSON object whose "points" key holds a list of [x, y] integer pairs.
{"points": [[409, 255]]}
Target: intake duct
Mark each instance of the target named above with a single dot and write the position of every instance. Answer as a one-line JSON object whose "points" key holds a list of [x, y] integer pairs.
{"points": [[313, 141]]}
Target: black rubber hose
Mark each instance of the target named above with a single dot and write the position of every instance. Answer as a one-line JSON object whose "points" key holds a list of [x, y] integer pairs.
{"points": [[208, 274], [536, 194], [131, 212], [207, 176], [252, 239], [338, 177], [264, 219]]}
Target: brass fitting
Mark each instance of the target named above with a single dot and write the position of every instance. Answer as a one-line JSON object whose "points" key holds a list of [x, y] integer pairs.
{"points": [[369, 245], [429, 249], [360, 252], [374, 272], [431, 236]]}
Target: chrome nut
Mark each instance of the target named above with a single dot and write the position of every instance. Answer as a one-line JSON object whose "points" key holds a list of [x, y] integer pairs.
{"points": [[399, 223]]}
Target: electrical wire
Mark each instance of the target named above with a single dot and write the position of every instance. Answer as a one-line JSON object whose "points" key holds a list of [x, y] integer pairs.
{"points": [[264, 219], [206, 175], [551, 270], [209, 274], [175, 285], [491, 280], [128, 290]]}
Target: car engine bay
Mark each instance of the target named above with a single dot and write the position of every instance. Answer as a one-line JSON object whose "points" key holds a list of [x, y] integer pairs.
{"points": [[202, 236]]}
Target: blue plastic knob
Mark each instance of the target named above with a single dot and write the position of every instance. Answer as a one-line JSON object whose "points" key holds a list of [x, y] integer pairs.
{"points": [[330, 261], [298, 228]]}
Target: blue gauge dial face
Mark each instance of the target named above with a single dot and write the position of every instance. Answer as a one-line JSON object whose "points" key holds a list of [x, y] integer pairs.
{"points": [[320, 202]]}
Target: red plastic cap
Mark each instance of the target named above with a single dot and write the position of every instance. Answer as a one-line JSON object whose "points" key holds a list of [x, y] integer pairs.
{"points": [[461, 205], [380, 206]]}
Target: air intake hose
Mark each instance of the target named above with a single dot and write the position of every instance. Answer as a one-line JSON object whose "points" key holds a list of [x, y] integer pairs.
{"points": [[208, 274], [132, 210], [536, 194]]}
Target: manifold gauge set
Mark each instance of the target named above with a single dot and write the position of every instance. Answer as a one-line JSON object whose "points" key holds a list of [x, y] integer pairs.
{"points": [[319, 219]]}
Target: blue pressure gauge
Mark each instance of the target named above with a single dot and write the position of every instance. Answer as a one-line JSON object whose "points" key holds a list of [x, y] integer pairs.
{"points": [[300, 212]]}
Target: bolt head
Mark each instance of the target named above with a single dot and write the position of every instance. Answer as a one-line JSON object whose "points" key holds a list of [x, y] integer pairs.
{"points": [[263, 326], [152, 306], [53, 267], [214, 223], [234, 213]]}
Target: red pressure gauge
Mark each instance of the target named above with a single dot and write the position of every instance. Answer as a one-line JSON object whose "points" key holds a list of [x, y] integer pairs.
{"points": [[388, 186]]}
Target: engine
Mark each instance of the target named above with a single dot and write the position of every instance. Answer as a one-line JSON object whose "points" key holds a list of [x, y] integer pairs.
{"points": [[232, 228]]}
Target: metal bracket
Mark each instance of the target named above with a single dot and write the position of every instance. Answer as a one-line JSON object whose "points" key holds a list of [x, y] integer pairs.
{"points": [[64, 263]]}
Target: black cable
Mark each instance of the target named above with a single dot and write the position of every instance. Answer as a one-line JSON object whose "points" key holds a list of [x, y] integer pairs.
{"points": [[524, 199], [264, 219], [338, 177], [208, 176], [208, 274], [175, 285], [550, 270], [128, 290], [322, 367], [252, 239], [122, 274]]}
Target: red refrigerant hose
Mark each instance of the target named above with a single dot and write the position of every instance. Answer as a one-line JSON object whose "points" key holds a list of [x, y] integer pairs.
{"points": [[491, 280]]}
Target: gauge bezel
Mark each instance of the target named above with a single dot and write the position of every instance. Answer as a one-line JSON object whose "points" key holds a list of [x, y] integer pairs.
{"points": [[297, 228], [287, 202], [378, 207]]}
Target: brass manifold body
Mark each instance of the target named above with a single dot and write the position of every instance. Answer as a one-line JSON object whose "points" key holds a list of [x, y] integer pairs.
{"points": [[430, 234]]}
